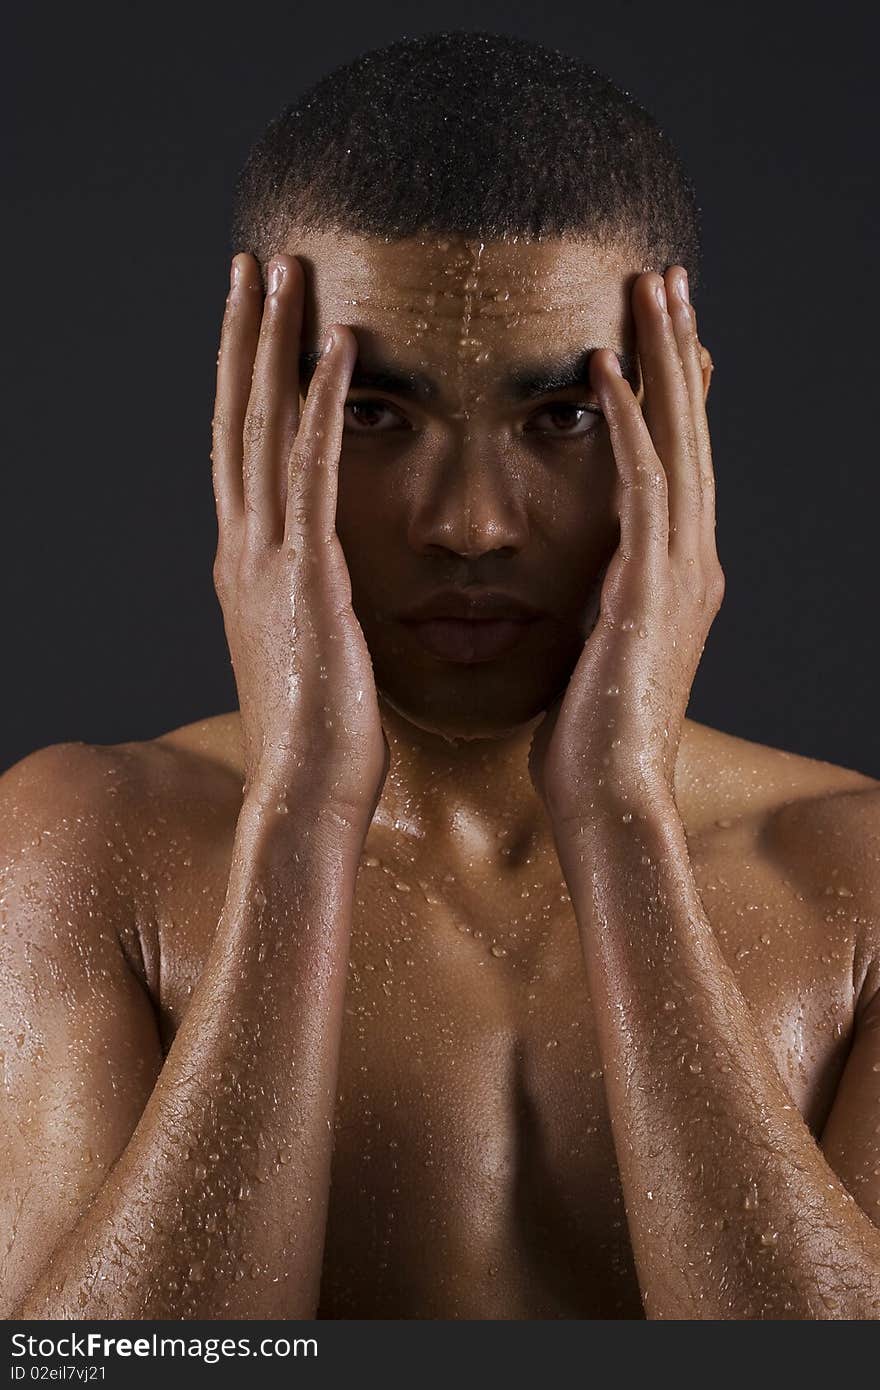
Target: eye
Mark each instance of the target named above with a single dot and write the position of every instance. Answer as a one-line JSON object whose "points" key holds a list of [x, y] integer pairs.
{"points": [[566, 418], [372, 417]]}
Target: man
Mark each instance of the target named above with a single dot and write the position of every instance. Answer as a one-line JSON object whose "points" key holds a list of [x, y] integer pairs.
{"points": [[579, 996]]}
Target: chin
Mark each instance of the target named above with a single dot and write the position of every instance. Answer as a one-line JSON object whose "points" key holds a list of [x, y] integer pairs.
{"points": [[458, 725]]}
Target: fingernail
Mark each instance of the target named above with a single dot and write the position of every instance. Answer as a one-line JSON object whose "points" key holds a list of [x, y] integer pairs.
{"points": [[329, 342], [614, 364], [235, 273], [276, 275], [683, 286], [660, 291]]}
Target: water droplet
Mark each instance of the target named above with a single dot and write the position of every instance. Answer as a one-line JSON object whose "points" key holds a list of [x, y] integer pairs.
{"points": [[498, 951], [769, 1237]]}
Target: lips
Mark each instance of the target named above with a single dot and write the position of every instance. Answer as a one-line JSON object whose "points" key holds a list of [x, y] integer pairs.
{"points": [[470, 625], [470, 640], [472, 604]]}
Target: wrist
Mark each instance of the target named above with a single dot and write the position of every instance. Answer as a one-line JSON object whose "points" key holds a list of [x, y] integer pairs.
{"points": [[613, 804], [307, 815]]}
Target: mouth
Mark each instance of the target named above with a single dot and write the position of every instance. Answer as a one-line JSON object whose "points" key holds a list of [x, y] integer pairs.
{"points": [[470, 640]]}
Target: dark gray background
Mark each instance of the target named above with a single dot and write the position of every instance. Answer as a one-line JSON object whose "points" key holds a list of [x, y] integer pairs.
{"points": [[128, 129]]}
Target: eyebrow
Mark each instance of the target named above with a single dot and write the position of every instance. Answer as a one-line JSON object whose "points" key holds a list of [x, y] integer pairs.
{"points": [[378, 376], [526, 384], [542, 379]]}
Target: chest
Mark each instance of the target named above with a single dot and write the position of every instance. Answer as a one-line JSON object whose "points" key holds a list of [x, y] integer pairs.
{"points": [[474, 1170]]}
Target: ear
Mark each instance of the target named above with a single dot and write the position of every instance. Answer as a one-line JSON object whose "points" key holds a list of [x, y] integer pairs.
{"points": [[708, 367]]}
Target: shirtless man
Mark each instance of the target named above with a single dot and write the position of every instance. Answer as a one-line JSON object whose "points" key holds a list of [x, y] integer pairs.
{"points": [[580, 996]]}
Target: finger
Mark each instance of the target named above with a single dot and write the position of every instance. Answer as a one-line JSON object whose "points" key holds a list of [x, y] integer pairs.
{"points": [[238, 343], [668, 407], [312, 483], [684, 323], [643, 509], [273, 406]]}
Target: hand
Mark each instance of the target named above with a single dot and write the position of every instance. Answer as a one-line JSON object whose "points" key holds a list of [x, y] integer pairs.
{"points": [[309, 710], [615, 733]]}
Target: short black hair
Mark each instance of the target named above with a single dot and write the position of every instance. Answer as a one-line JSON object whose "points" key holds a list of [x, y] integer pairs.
{"points": [[472, 134]]}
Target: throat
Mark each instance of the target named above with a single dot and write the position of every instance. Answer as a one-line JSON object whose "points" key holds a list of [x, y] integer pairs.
{"points": [[461, 838], [468, 805]]}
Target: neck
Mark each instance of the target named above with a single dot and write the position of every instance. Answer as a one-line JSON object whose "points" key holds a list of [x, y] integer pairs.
{"points": [[466, 797]]}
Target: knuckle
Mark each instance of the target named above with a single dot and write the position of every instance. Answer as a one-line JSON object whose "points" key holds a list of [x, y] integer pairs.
{"points": [[253, 520], [298, 517], [297, 459], [255, 422]]}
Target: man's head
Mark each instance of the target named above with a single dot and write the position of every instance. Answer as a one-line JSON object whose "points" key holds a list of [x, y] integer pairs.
{"points": [[476, 208]]}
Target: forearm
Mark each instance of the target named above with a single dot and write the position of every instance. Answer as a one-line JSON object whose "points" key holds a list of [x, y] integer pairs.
{"points": [[733, 1210], [217, 1207]]}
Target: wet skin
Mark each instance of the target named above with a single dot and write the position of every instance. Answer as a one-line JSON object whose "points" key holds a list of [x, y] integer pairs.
{"points": [[487, 482], [474, 1169]]}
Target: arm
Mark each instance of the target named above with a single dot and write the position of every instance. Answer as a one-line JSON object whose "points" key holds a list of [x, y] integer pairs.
{"points": [[733, 1209], [215, 1205], [197, 1189], [734, 1212]]}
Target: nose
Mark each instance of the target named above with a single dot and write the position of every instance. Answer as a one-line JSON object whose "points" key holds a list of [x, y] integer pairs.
{"points": [[470, 507]]}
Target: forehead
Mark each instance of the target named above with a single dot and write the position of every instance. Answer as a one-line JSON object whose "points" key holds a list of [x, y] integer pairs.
{"points": [[436, 294]]}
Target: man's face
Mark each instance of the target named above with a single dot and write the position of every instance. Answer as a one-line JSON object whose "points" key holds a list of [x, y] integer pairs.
{"points": [[469, 459]]}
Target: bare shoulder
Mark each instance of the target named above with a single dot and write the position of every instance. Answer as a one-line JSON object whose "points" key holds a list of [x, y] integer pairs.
{"points": [[117, 787], [111, 821], [63, 793], [721, 777], [69, 878], [814, 825], [212, 745], [804, 806]]}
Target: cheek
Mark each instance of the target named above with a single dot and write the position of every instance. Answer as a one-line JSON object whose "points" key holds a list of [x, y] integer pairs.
{"points": [[579, 493], [365, 513]]}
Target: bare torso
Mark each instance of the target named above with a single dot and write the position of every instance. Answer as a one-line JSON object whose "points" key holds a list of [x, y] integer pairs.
{"points": [[474, 1173]]}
